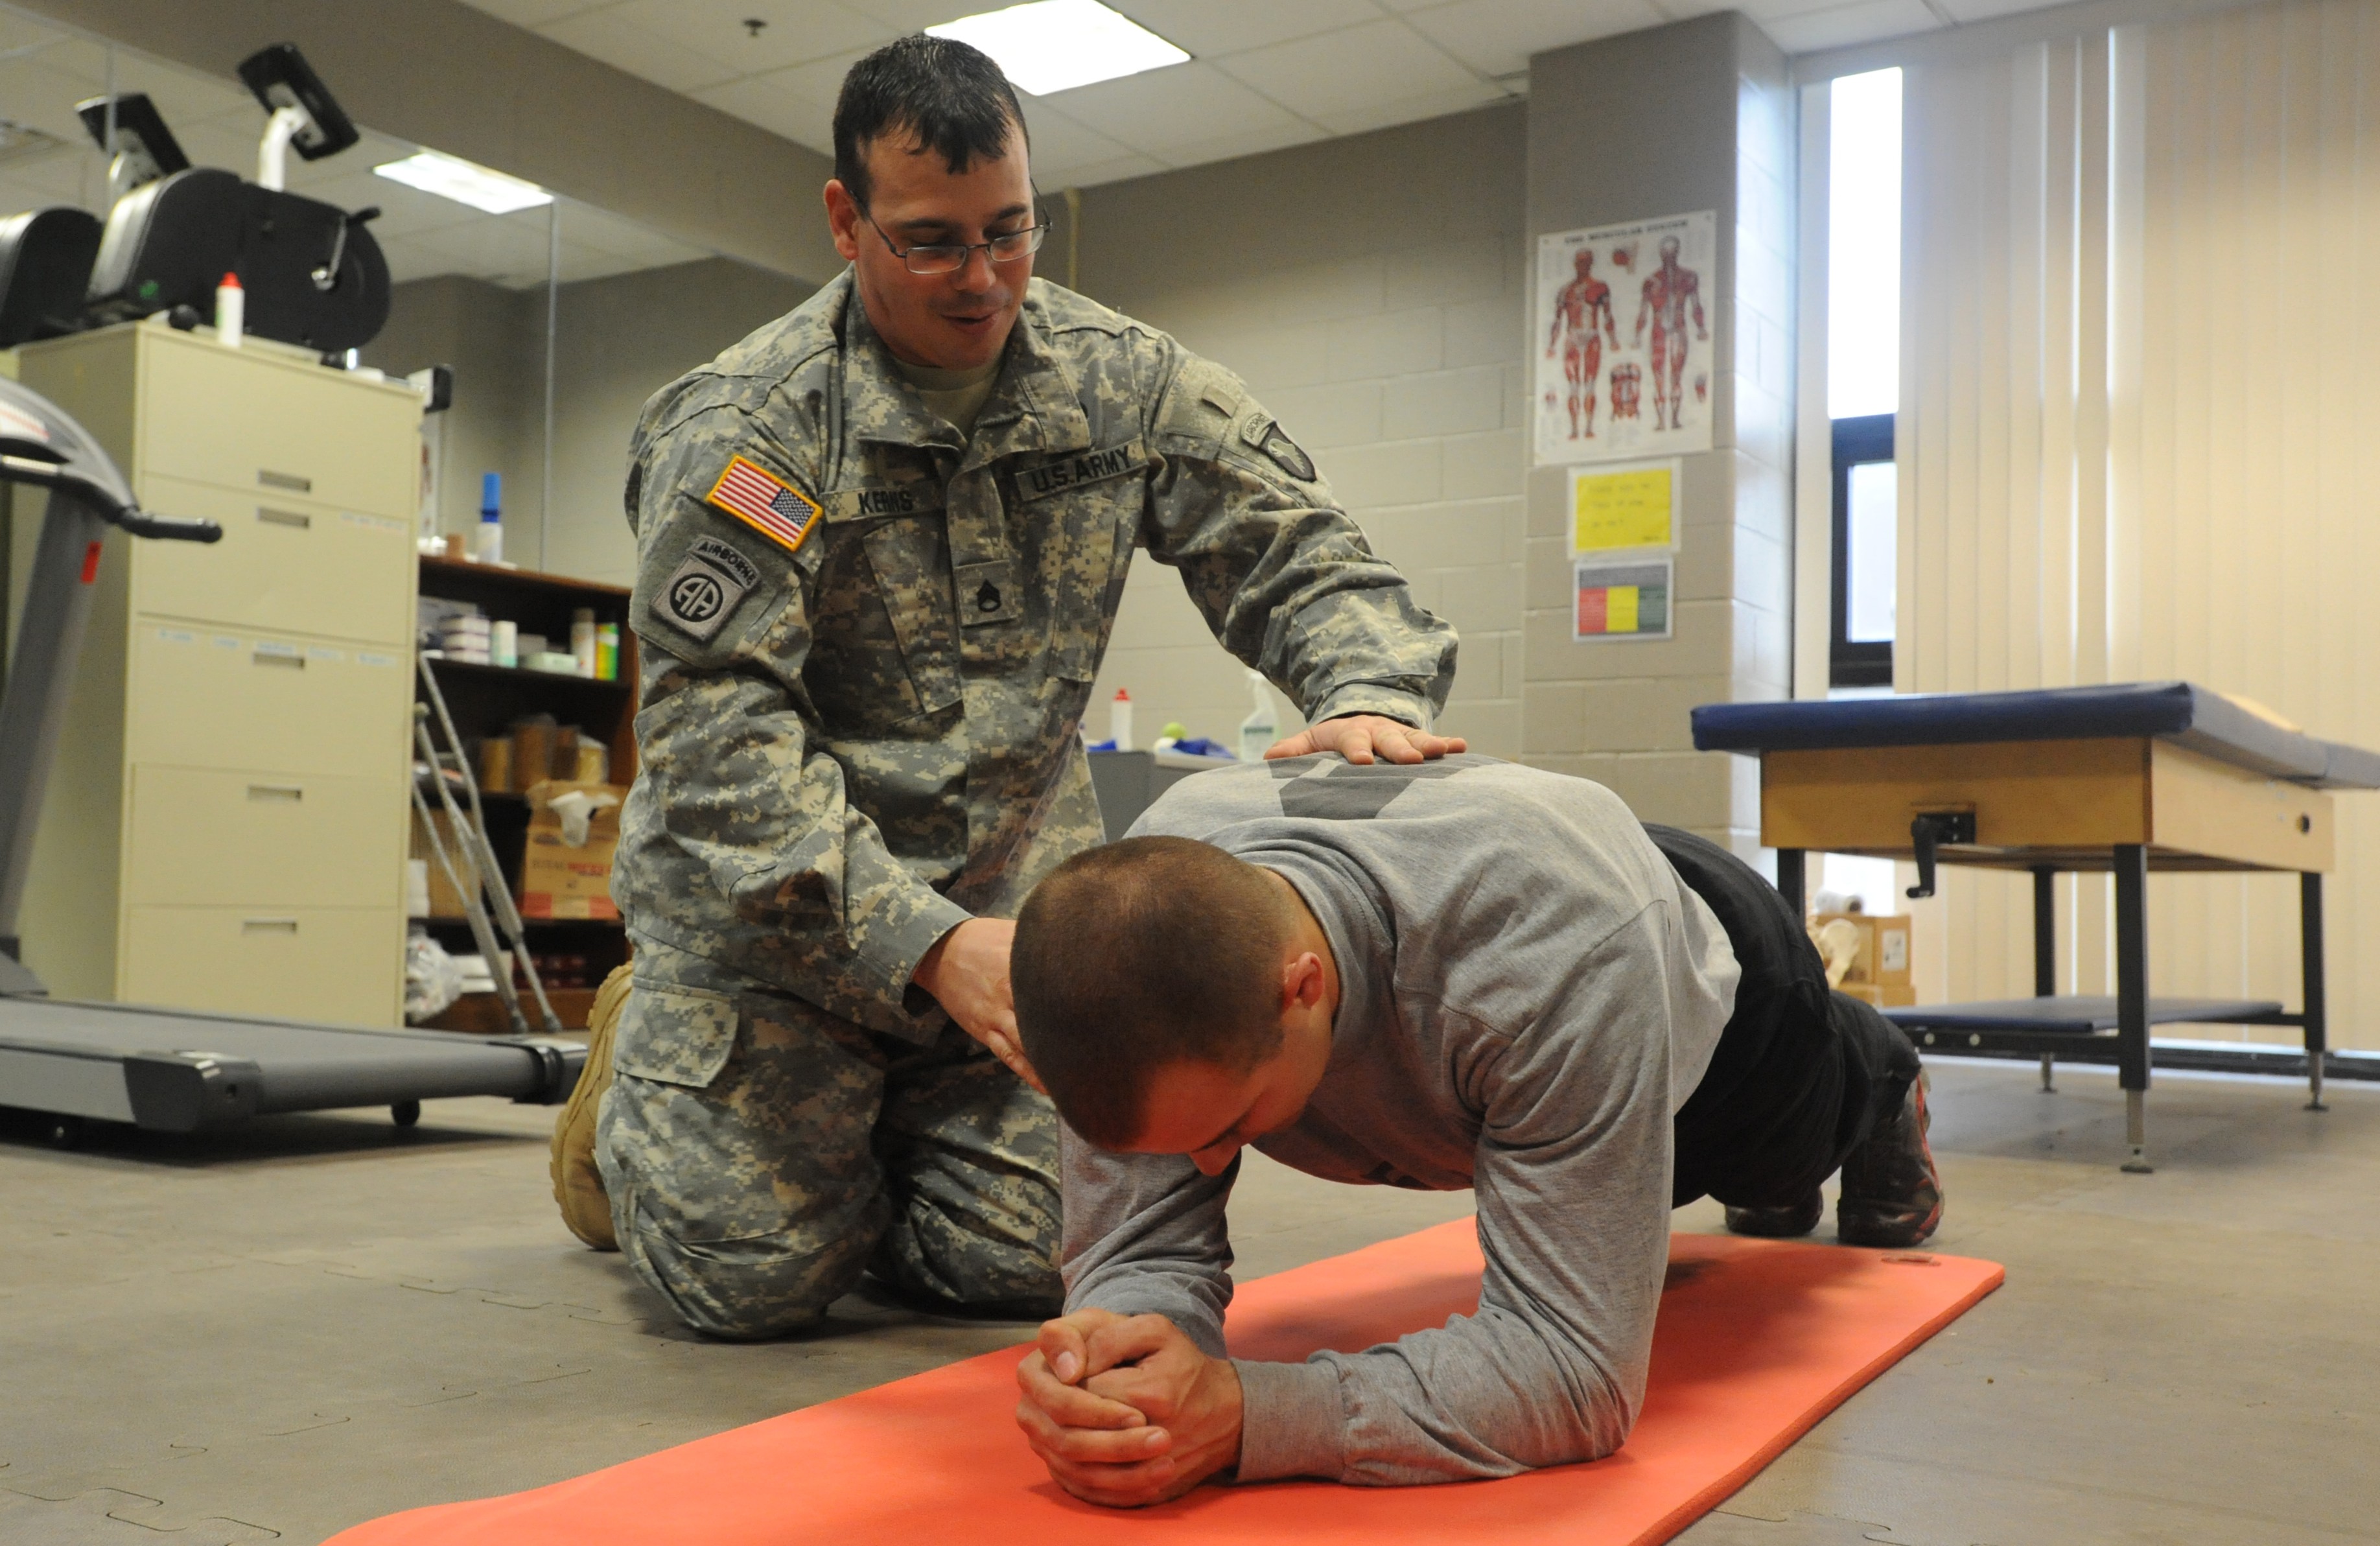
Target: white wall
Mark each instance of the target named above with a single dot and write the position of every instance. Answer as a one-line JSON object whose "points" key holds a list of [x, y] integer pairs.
{"points": [[1370, 291]]}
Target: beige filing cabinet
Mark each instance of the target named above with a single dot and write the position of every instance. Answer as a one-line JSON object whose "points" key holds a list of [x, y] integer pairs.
{"points": [[227, 825]]}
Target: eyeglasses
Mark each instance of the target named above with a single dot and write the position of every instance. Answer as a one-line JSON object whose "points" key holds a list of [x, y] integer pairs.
{"points": [[951, 257]]}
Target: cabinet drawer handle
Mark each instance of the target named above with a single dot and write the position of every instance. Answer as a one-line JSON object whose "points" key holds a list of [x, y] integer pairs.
{"points": [[268, 926], [291, 792], [284, 517], [264, 658], [288, 480]]}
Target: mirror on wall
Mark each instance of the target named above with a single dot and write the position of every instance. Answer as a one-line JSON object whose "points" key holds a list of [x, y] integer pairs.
{"points": [[558, 318]]}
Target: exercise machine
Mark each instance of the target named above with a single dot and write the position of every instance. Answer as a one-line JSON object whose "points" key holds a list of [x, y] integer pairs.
{"points": [[311, 272], [164, 1069]]}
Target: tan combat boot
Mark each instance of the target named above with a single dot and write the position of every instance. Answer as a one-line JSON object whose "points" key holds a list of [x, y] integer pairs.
{"points": [[578, 1185]]}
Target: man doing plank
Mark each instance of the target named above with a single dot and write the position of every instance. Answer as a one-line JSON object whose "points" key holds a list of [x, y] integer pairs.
{"points": [[880, 544], [1465, 974]]}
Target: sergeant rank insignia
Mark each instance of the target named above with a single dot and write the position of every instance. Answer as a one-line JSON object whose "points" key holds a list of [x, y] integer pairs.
{"points": [[766, 504]]}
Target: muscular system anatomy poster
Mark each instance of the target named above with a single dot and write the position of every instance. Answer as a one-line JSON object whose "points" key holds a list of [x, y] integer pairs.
{"points": [[1622, 345]]}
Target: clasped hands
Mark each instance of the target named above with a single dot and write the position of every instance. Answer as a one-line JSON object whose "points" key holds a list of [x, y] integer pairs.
{"points": [[1126, 1410]]}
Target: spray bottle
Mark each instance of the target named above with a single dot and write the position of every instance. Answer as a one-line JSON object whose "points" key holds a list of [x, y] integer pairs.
{"points": [[1260, 729], [1120, 721]]}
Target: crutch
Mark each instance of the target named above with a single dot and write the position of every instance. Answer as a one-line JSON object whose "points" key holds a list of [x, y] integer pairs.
{"points": [[507, 915], [482, 934]]}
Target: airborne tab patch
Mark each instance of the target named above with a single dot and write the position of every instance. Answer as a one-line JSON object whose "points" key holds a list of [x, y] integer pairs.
{"points": [[721, 555], [765, 502]]}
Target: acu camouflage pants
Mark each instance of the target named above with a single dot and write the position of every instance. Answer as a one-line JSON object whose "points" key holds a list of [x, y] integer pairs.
{"points": [[759, 1154]]}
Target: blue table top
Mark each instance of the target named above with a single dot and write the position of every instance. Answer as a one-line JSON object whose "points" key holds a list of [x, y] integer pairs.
{"points": [[2189, 715]]}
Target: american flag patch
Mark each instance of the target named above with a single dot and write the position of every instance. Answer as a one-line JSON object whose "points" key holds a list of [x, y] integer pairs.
{"points": [[769, 505]]}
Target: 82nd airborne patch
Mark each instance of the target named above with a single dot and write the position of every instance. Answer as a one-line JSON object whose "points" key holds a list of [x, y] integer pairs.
{"points": [[699, 594]]}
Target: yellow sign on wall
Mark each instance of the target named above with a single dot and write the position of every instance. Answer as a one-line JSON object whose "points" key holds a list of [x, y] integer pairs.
{"points": [[1613, 508]]}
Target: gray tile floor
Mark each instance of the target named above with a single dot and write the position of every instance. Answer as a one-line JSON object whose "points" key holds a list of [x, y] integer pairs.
{"points": [[277, 1333]]}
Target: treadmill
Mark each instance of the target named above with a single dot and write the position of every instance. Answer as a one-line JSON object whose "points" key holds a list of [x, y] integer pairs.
{"points": [[163, 1069]]}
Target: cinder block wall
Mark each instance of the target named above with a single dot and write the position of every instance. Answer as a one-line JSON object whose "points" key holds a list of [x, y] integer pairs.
{"points": [[1615, 710], [1370, 291]]}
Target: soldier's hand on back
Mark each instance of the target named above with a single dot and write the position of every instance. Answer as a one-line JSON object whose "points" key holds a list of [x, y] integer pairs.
{"points": [[968, 973], [1364, 738]]}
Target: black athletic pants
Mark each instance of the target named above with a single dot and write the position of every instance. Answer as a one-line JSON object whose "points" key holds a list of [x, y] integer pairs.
{"points": [[1801, 1074]]}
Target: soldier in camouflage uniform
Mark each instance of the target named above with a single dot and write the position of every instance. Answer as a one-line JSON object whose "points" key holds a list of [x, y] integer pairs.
{"points": [[868, 642]]}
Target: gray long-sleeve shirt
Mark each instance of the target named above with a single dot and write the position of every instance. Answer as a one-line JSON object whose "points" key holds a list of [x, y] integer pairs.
{"points": [[1528, 994]]}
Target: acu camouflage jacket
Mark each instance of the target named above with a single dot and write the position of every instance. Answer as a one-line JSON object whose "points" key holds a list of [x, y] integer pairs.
{"points": [[866, 655]]}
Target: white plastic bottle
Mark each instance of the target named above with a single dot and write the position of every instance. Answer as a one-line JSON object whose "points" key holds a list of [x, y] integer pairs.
{"points": [[488, 541], [1260, 729], [1120, 721], [231, 311], [582, 639]]}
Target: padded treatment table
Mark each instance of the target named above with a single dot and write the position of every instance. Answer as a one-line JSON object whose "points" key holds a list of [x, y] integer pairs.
{"points": [[1756, 1340], [2127, 778], [1128, 782], [174, 1071]]}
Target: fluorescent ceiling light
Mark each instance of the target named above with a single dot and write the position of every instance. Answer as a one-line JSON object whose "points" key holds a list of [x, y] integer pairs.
{"points": [[1055, 46], [452, 177]]}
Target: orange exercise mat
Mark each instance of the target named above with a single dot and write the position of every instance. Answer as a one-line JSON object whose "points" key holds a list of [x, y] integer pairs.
{"points": [[1756, 1340]]}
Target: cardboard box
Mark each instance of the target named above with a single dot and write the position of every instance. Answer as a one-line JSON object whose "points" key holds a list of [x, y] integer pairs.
{"points": [[445, 903], [1883, 995], [1884, 946], [560, 881]]}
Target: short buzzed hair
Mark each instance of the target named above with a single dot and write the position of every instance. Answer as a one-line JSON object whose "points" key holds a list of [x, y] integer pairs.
{"points": [[1140, 954], [937, 93]]}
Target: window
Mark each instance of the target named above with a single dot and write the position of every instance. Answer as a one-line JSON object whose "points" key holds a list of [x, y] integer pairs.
{"points": [[1863, 369], [1866, 539]]}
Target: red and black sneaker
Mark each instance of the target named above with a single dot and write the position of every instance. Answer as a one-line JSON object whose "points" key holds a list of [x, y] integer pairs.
{"points": [[1893, 1194], [1782, 1223]]}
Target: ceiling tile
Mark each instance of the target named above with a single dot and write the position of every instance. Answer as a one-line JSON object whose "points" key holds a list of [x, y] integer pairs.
{"points": [[60, 177], [1062, 147], [18, 31], [1211, 28], [607, 36], [1114, 171], [603, 231], [41, 89], [797, 102], [1384, 112], [403, 210], [224, 142], [797, 31], [1985, 10], [1496, 37], [1759, 11], [504, 249], [531, 13], [1842, 26], [915, 16], [185, 96], [1159, 111], [1251, 141], [1349, 71], [408, 259]]}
